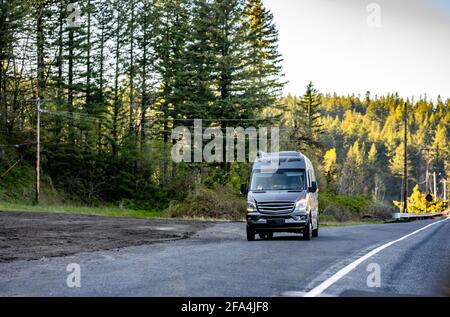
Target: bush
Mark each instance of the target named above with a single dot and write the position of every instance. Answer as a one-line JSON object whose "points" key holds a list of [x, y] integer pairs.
{"points": [[336, 213], [379, 210], [355, 204], [342, 208], [437, 206], [221, 202], [18, 186]]}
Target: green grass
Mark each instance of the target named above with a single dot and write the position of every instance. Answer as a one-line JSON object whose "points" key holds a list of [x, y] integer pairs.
{"points": [[99, 211], [143, 214], [350, 223]]}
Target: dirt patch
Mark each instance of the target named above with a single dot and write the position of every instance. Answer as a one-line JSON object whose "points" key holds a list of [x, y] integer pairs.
{"points": [[34, 235]]}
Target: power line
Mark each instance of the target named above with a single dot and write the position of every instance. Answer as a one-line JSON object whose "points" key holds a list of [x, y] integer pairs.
{"points": [[17, 145], [10, 168], [156, 119]]}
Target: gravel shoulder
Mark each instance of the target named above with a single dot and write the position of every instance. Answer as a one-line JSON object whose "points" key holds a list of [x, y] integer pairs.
{"points": [[37, 235]]}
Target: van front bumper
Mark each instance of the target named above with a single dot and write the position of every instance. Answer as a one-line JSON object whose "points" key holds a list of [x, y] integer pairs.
{"points": [[283, 222]]}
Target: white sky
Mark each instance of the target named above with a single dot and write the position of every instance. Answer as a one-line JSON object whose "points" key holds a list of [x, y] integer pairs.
{"points": [[331, 43]]}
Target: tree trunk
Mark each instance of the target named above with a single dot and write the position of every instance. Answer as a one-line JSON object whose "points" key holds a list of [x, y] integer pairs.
{"points": [[116, 88], [101, 95], [88, 58], [131, 68], [70, 90]]}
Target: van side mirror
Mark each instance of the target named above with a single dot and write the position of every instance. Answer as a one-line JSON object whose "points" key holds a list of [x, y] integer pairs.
{"points": [[313, 187], [244, 189]]}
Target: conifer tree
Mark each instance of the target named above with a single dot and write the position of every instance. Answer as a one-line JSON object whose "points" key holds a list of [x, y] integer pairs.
{"points": [[307, 119], [263, 57]]}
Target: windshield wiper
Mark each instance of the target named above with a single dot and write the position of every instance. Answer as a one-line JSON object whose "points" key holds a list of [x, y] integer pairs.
{"points": [[295, 190], [258, 191]]}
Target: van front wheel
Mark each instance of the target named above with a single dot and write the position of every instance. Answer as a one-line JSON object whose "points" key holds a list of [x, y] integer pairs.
{"points": [[250, 234], [307, 232], [315, 232]]}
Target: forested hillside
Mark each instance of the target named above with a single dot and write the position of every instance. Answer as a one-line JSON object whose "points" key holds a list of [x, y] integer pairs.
{"points": [[361, 143], [113, 78]]}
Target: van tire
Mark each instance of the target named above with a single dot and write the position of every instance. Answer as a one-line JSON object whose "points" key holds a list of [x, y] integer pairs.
{"points": [[250, 234], [315, 232], [307, 232]]}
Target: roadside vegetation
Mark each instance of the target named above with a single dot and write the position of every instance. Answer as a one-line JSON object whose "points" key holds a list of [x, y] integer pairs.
{"points": [[346, 209], [114, 88], [418, 203], [113, 211]]}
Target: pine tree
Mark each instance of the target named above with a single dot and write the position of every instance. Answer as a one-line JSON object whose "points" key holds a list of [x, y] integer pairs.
{"points": [[13, 13], [171, 27], [307, 119], [310, 103], [329, 166], [352, 178], [104, 20], [228, 40], [397, 162], [199, 60], [372, 156], [440, 149], [119, 38], [263, 57], [146, 20]]}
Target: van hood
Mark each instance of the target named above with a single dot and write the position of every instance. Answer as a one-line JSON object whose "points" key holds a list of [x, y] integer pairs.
{"points": [[279, 195]]}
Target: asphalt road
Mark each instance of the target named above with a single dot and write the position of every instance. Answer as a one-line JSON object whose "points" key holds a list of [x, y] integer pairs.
{"points": [[218, 261]]}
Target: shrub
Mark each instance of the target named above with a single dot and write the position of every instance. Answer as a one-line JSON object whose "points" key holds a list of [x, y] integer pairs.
{"points": [[336, 213], [355, 204], [379, 210], [221, 202], [344, 208]]}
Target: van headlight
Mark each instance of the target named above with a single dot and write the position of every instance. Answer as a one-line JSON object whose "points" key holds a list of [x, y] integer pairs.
{"points": [[251, 207], [301, 205]]}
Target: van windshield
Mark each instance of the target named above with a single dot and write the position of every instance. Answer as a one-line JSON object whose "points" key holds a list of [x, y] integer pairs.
{"points": [[282, 179]]}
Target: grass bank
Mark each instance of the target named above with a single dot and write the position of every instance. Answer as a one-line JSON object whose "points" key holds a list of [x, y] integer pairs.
{"points": [[98, 211], [343, 209]]}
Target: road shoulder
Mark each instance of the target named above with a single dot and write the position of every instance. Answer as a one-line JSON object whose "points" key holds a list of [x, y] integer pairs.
{"points": [[36, 235]]}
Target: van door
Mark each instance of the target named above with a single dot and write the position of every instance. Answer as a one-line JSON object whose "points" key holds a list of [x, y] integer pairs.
{"points": [[313, 199]]}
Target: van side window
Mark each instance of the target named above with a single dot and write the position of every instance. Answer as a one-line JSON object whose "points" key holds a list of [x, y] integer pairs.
{"points": [[309, 178]]}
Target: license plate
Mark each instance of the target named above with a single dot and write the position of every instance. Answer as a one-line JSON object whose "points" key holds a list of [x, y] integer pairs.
{"points": [[275, 222]]}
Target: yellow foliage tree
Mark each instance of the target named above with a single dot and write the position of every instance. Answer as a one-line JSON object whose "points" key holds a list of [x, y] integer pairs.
{"points": [[417, 203]]}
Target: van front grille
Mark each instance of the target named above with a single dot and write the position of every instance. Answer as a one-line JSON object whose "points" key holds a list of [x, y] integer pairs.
{"points": [[275, 207]]}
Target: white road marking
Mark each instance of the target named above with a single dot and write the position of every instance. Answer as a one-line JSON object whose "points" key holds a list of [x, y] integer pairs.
{"points": [[318, 290], [164, 228], [293, 294]]}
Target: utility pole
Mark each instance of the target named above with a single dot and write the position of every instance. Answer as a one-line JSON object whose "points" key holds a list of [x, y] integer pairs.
{"points": [[445, 189], [427, 178], [38, 152], [434, 187], [405, 161], [40, 41]]}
